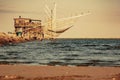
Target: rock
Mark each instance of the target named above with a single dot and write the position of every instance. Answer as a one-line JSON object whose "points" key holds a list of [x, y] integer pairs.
{"points": [[6, 39]]}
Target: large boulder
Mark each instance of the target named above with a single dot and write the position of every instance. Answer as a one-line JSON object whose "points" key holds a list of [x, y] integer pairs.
{"points": [[4, 39]]}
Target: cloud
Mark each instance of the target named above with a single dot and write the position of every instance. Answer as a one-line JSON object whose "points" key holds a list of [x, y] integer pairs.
{"points": [[7, 11], [14, 11]]}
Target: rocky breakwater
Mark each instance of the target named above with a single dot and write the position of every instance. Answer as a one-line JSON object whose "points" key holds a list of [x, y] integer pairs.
{"points": [[6, 39]]}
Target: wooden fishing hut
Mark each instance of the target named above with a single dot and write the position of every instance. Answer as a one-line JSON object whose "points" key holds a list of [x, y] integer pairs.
{"points": [[28, 28]]}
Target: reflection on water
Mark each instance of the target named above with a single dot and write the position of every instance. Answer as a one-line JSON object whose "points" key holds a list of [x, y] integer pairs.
{"points": [[76, 52]]}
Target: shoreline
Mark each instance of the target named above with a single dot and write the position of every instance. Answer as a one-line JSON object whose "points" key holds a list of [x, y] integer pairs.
{"points": [[36, 72]]}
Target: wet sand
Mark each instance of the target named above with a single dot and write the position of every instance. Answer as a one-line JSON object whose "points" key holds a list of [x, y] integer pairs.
{"points": [[33, 72]]}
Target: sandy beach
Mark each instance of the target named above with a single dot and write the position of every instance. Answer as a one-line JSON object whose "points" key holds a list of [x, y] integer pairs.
{"points": [[33, 72]]}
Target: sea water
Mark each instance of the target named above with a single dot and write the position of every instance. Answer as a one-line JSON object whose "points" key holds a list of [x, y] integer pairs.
{"points": [[65, 52]]}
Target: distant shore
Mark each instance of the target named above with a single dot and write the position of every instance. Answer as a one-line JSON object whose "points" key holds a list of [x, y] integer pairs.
{"points": [[35, 72]]}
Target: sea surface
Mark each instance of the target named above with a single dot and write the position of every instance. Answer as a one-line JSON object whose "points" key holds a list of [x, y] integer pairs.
{"points": [[65, 52]]}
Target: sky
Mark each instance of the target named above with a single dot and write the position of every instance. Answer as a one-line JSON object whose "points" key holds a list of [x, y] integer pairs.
{"points": [[102, 22]]}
